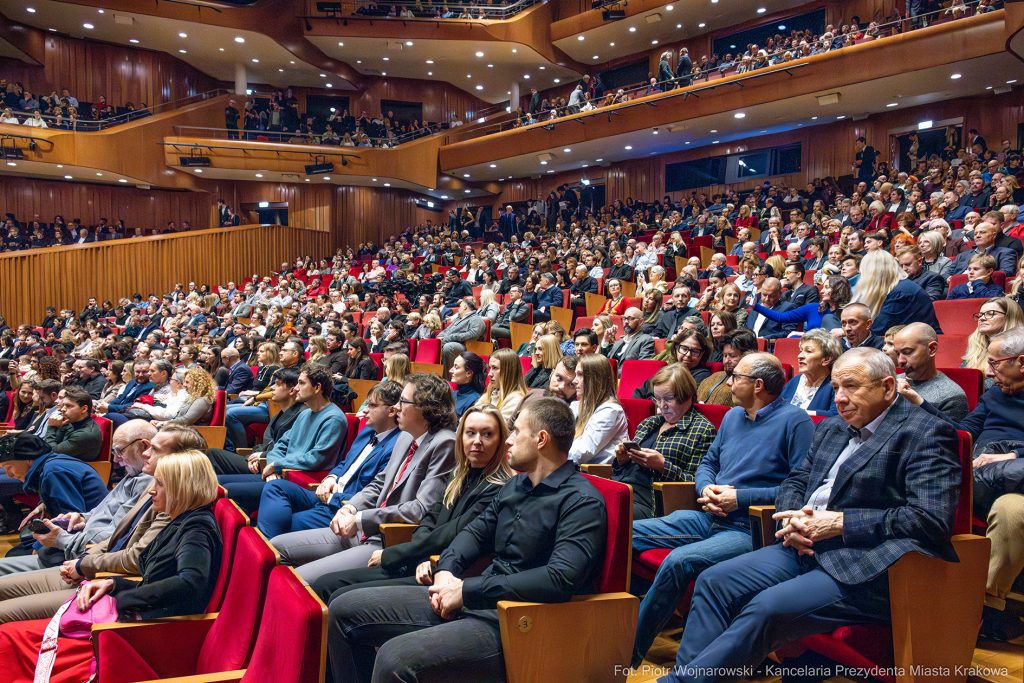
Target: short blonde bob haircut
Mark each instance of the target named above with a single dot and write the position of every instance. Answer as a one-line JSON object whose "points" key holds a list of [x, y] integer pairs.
{"points": [[189, 479]]}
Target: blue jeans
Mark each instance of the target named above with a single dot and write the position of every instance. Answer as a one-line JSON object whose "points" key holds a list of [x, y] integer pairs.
{"points": [[286, 506], [237, 417], [698, 542]]}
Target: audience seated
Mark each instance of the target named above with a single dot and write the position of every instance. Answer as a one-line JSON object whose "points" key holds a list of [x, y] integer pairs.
{"points": [[715, 389], [811, 389], [600, 420]]}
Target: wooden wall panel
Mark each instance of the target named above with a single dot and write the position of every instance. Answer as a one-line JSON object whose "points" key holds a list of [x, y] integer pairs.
{"points": [[27, 197], [89, 69], [110, 270], [366, 214], [440, 99]]}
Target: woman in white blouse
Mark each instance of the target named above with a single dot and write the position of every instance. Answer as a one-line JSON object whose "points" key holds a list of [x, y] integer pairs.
{"points": [[600, 420]]}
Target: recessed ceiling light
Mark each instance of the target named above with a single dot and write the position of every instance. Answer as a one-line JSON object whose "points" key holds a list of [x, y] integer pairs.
{"points": [[133, 40], [100, 174], [466, 191], [444, 196], [239, 39], [122, 180], [30, 9], [632, 29], [701, 25], [567, 150], [374, 180], [761, 10], [183, 35], [465, 175], [585, 165], [739, 115], [892, 104], [307, 180], [713, 130], [988, 88], [669, 8], [88, 26], [494, 166], [782, 27], [323, 75], [101, 11], [292, 62], [558, 80], [430, 73], [67, 177], [1011, 81], [543, 163], [715, 142], [11, 163], [840, 117], [387, 59], [954, 77], [599, 160], [679, 25], [579, 38], [814, 118], [526, 76], [514, 50], [387, 184], [611, 44], [595, 56], [259, 175], [181, 51], [60, 165], [358, 61], [551, 171], [255, 61], [687, 142], [222, 50], [327, 177], [383, 73], [469, 75], [408, 43], [281, 70], [655, 131], [654, 42], [199, 170], [329, 85], [54, 30], [542, 68], [629, 146], [479, 87]]}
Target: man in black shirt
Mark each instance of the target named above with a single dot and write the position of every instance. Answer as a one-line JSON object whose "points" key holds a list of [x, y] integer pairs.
{"points": [[450, 629]]}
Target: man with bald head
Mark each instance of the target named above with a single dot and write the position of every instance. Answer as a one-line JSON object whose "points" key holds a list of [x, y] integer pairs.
{"points": [[771, 297], [634, 345], [916, 346]]}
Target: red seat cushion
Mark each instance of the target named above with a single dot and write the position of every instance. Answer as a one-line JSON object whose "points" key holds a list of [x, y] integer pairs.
{"points": [[859, 646], [120, 663]]}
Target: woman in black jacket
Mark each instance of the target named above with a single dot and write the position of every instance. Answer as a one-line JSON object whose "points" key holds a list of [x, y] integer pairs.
{"points": [[360, 365], [481, 469]]}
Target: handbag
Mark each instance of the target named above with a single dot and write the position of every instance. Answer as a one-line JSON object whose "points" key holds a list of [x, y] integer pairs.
{"points": [[71, 622]]}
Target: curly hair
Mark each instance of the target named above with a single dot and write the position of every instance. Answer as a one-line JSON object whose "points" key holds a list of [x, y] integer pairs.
{"points": [[202, 384], [435, 400]]}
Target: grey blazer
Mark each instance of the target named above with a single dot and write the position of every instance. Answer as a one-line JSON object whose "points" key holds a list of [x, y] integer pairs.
{"points": [[422, 484], [464, 329], [640, 347]]}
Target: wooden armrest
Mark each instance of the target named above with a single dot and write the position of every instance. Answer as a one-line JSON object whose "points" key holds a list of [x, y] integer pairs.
{"points": [[312, 486], [597, 470], [434, 559], [533, 638], [219, 677], [244, 452], [762, 526], [263, 464], [232, 397], [397, 534], [116, 575], [670, 496], [936, 605]]}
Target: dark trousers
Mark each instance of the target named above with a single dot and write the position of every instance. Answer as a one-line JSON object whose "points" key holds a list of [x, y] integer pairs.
{"points": [[285, 506], [244, 489], [753, 604], [332, 586], [228, 462], [416, 645]]}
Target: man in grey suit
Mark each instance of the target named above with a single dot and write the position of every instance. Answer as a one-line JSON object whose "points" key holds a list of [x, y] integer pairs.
{"points": [[516, 310], [238, 306], [415, 478], [468, 326], [633, 345]]}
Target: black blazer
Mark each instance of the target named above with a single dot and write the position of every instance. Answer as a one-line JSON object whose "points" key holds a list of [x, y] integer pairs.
{"points": [[365, 369], [804, 294]]}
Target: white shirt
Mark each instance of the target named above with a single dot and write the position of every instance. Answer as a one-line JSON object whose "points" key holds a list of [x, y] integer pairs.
{"points": [[35, 123], [818, 500], [605, 430], [10, 119], [350, 472], [804, 393]]}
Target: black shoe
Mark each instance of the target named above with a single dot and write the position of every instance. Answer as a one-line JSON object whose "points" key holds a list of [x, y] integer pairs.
{"points": [[1000, 626]]}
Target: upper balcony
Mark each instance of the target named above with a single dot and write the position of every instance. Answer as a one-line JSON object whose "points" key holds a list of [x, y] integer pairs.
{"points": [[901, 70]]}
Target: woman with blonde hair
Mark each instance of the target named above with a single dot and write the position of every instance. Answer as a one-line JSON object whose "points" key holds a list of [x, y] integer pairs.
{"points": [[600, 421], [179, 570], [933, 246], [481, 469], [891, 298], [996, 315], [489, 308], [507, 387], [430, 328], [317, 348], [546, 354]]}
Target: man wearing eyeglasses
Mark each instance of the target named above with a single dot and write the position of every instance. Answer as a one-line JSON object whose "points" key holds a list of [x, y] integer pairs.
{"points": [[759, 442], [634, 345], [997, 429]]}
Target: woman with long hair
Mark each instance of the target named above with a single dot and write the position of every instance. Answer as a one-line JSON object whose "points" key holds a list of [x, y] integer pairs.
{"points": [[720, 325], [525, 349], [650, 306], [891, 298], [200, 395], [24, 410], [209, 357], [728, 300], [317, 348], [600, 421], [360, 365], [481, 469], [996, 315], [469, 375], [507, 387], [114, 385], [546, 354], [835, 294], [179, 570], [616, 303]]}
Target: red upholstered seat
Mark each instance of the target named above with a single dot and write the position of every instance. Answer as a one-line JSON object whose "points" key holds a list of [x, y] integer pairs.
{"points": [[304, 479], [637, 410], [220, 409], [970, 380], [956, 316], [635, 373], [107, 430], [201, 646], [428, 351], [786, 350], [231, 520], [715, 414], [613, 573], [952, 348]]}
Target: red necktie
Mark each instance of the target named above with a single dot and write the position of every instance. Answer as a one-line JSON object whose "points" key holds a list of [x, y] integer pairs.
{"points": [[405, 465]]}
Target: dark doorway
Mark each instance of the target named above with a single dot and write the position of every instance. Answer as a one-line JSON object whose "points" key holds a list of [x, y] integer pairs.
{"points": [[405, 112], [322, 106], [932, 141]]}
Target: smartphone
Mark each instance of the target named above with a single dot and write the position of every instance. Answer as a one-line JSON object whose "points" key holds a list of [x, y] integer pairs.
{"points": [[36, 526], [631, 445]]}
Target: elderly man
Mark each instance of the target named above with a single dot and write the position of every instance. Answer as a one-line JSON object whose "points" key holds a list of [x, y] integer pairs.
{"points": [[998, 433], [643, 258], [717, 263], [673, 317], [468, 326], [634, 345], [771, 297], [516, 310], [984, 243], [583, 284], [744, 236], [916, 346], [758, 444], [38, 594], [844, 522], [856, 321], [547, 295]]}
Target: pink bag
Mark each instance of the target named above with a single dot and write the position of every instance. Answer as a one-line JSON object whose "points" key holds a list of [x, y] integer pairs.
{"points": [[70, 622]]}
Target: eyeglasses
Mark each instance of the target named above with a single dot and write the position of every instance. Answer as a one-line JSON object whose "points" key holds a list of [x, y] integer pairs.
{"points": [[987, 315], [402, 401], [120, 451], [687, 351], [659, 401], [994, 363], [750, 377]]}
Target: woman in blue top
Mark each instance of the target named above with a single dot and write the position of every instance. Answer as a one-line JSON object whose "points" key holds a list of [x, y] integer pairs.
{"points": [[835, 294], [469, 373], [812, 388]]}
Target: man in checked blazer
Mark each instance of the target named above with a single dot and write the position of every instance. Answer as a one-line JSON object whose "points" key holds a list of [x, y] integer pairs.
{"points": [[880, 480], [415, 478]]}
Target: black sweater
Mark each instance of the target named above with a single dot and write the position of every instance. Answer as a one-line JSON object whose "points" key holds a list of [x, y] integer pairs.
{"points": [[179, 570]]}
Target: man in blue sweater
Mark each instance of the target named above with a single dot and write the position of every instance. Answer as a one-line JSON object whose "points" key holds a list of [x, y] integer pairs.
{"points": [[759, 442], [139, 386], [312, 444]]}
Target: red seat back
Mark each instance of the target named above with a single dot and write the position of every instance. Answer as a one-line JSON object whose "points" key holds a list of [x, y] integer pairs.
{"points": [[107, 430], [952, 348], [635, 373], [10, 406], [637, 410], [998, 277], [786, 349], [353, 430], [220, 409], [957, 316], [714, 414], [527, 362], [964, 512], [614, 571], [716, 367], [231, 520], [428, 351], [970, 380], [232, 637], [378, 360]]}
